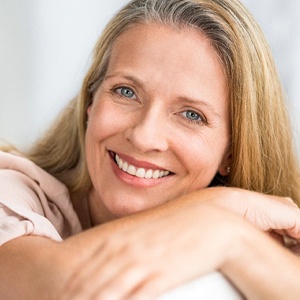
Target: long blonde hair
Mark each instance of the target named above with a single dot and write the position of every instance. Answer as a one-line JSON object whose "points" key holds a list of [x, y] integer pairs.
{"points": [[263, 156]]}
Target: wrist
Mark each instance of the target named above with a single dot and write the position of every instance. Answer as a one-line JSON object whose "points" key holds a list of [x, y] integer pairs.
{"points": [[258, 266]]}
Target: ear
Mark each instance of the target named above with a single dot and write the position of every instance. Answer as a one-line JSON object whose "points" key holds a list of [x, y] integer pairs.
{"points": [[88, 111], [225, 164]]}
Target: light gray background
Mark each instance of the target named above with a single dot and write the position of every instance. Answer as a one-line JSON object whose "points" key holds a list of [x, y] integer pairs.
{"points": [[46, 47]]}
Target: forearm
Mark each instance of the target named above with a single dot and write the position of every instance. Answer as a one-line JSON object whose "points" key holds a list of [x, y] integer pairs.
{"points": [[98, 233], [50, 265], [261, 268], [38, 266], [257, 265], [32, 268]]}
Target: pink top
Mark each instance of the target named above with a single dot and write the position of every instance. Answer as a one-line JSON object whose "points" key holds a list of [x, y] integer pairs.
{"points": [[32, 202]]}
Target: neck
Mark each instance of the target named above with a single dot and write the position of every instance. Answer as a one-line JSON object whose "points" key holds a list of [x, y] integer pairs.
{"points": [[80, 204], [99, 214]]}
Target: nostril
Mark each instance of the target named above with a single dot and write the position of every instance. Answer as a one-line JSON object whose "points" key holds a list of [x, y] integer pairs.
{"points": [[145, 138]]}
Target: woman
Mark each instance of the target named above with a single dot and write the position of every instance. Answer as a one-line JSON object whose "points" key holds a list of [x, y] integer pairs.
{"points": [[177, 155]]}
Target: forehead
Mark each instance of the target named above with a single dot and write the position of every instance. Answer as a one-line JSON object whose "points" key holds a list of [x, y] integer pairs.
{"points": [[183, 59], [158, 38], [181, 46]]}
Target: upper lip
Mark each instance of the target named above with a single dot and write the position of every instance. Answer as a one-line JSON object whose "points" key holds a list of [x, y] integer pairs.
{"points": [[139, 163]]}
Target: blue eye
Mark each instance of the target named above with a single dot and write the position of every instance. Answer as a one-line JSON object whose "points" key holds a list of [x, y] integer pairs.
{"points": [[192, 116], [126, 92]]}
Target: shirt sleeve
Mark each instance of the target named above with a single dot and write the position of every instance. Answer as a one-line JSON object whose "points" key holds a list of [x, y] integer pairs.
{"points": [[25, 209]]}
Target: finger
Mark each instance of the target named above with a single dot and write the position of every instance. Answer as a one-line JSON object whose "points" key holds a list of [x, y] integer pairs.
{"points": [[296, 250], [87, 274], [110, 274], [294, 230], [287, 200], [155, 286], [123, 284], [277, 237]]}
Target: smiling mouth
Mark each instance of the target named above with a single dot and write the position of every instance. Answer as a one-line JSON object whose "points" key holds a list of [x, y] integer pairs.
{"points": [[139, 172]]}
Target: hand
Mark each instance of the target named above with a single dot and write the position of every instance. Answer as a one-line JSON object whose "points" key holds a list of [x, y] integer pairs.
{"points": [[144, 261], [267, 212], [193, 234]]}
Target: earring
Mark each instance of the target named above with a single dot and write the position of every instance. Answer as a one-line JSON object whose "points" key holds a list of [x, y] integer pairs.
{"points": [[228, 170]]}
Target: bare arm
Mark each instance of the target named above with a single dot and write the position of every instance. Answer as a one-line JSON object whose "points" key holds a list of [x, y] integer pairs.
{"points": [[137, 254], [196, 241], [263, 269]]}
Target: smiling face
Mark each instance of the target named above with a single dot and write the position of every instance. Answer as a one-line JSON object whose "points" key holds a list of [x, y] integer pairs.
{"points": [[159, 123]]}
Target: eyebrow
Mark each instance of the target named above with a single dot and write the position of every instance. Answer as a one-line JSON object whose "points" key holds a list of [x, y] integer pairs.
{"points": [[202, 103], [187, 100], [128, 77]]}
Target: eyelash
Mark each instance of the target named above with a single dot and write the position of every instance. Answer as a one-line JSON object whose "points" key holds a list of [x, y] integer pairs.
{"points": [[119, 93], [202, 120]]}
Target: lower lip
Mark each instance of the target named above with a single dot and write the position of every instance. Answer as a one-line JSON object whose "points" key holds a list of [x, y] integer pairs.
{"points": [[135, 181]]}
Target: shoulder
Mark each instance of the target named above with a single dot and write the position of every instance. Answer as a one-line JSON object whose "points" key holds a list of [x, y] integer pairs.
{"points": [[29, 195], [22, 165], [24, 181]]}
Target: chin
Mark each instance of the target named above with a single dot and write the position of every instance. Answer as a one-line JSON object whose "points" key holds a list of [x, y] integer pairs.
{"points": [[126, 209]]}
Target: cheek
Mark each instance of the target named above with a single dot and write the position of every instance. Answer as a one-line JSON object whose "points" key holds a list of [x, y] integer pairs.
{"points": [[104, 121], [99, 129], [203, 155], [200, 160]]}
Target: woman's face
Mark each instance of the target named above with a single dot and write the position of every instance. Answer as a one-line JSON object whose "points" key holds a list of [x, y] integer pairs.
{"points": [[159, 123]]}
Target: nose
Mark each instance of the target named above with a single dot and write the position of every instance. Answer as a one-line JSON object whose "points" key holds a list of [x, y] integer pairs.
{"points": [[148, 131]]}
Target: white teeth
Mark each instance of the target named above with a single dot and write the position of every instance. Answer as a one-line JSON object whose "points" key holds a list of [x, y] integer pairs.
{"points": [[149, 174], [131, 170], [139, 172], [125, 166], [119, 162], [156, 174]]}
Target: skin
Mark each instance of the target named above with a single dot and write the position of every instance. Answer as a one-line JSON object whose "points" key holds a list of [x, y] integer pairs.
{"points": [[147, 264], [174, 117], [138, 256]]}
